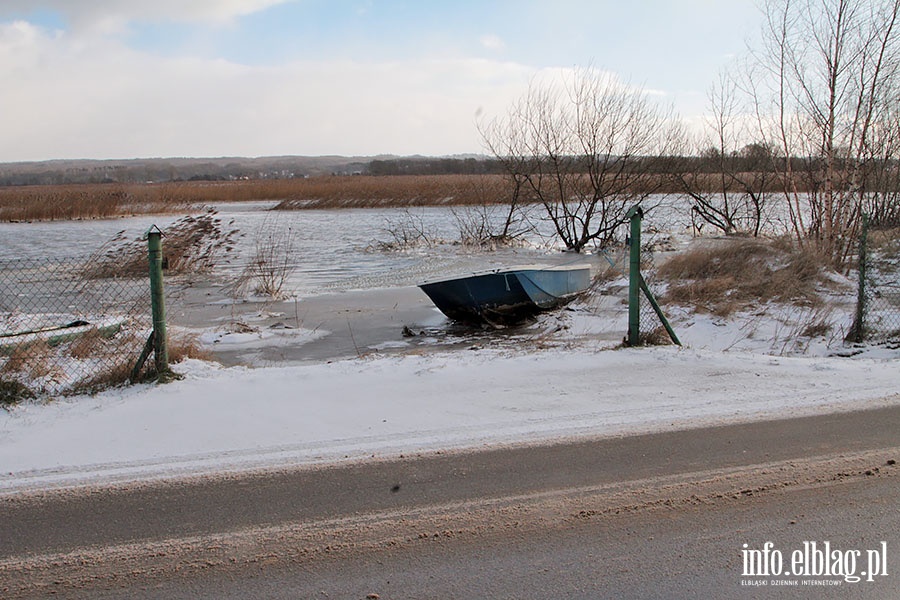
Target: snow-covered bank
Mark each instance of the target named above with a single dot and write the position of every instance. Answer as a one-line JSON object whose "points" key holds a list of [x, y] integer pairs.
{"points": [[235, 418]]}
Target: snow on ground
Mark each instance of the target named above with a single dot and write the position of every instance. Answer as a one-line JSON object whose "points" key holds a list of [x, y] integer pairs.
{"points": [[236, 418], [560, 378]]}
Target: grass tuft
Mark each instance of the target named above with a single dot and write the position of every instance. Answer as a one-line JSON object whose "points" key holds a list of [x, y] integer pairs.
{"points": [[725, 276], [12, 392]]}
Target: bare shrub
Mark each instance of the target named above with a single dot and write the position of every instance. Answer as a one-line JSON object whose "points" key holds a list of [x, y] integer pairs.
{"points": [[407, 230], [488, 224], [885, 245], [805, 325], [735, 274], [817, 328], [490, 227], [272, 262]]}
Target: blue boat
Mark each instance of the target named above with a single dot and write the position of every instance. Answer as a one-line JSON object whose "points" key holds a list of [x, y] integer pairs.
{"points": [[507, 296]]}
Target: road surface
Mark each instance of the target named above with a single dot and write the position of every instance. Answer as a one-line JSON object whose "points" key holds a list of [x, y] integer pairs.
{"points": [[663, 515]]}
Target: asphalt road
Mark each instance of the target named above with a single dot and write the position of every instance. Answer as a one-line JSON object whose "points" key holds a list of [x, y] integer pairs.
{"points": [[677, 553], [662, 515]]}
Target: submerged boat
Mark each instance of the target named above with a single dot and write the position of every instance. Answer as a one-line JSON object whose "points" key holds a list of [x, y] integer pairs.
{"points": [[507, 296]]}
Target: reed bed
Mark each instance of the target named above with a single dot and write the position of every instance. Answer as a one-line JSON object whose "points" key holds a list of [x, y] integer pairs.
{"points": [[101, 201], [397, 191], [87, 201], [110, 200]]}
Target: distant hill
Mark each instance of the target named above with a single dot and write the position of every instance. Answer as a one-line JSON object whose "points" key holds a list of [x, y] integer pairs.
{"points": [[155, 170]]}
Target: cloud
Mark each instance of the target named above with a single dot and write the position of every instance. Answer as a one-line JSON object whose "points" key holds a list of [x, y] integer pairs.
{"points": [[94, 97], [492, 42], [108, 16]]}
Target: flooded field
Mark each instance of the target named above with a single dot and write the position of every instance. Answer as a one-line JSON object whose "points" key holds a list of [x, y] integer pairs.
{"points": [[330, 250], [347, 294], [350, 288]]}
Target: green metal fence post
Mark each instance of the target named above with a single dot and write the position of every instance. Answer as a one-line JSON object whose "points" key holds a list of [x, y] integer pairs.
{"points": [[635, 214], [859, 325], [158, 300]]}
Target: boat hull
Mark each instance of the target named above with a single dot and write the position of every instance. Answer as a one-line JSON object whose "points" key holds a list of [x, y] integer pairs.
{"points": [[506, 297]]}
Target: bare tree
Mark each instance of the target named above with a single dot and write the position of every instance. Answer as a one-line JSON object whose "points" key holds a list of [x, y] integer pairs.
{"points": [[490, 224], [883, 181], [585, 151], [819, 82], [727, 180]]}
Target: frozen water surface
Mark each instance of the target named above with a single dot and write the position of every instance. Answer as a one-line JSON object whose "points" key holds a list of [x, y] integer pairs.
{"points": [[330, 250]]}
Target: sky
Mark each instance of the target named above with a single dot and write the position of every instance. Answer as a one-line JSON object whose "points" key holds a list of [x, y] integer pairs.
{"points": [[208, 78]]}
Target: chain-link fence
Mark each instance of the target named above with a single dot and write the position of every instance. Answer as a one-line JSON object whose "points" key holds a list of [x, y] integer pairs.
{"points": [[652, 330], [878, 309], [647, 324], [65, 330]]}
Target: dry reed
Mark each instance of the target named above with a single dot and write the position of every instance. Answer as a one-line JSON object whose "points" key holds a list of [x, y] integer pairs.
{"points": [[736, 274], [192, 244], [98, 201]]}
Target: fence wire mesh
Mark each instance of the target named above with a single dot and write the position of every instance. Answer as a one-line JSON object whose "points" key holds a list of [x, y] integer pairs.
{"points": [[881, 303], [652, 330], [64, 330]]}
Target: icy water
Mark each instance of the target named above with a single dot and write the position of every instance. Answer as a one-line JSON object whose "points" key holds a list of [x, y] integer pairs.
{"points": [[347, 294], [330, 250]]}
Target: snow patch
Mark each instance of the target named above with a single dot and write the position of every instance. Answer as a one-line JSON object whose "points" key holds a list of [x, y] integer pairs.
{"points": [[221, 419]]}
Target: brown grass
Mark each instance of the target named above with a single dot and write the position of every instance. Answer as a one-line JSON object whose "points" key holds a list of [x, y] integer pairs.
{"points": [[886, 242], [98, 201], [186, 345], [110, 376], [109, 200], [396, 191], [75, 202], [657, 337], [32, 359], [736, 274], [180, 346], [85, 346], [12, 392]]}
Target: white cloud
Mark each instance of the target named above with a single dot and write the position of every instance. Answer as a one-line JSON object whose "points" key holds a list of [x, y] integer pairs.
{"points": [[492, 42], [113, 15], [76, 96]]}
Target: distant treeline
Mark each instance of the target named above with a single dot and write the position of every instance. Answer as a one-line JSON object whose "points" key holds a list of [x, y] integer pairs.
{"points": [[751, 159], [168, 170], [184, 170], [435, 166]]}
